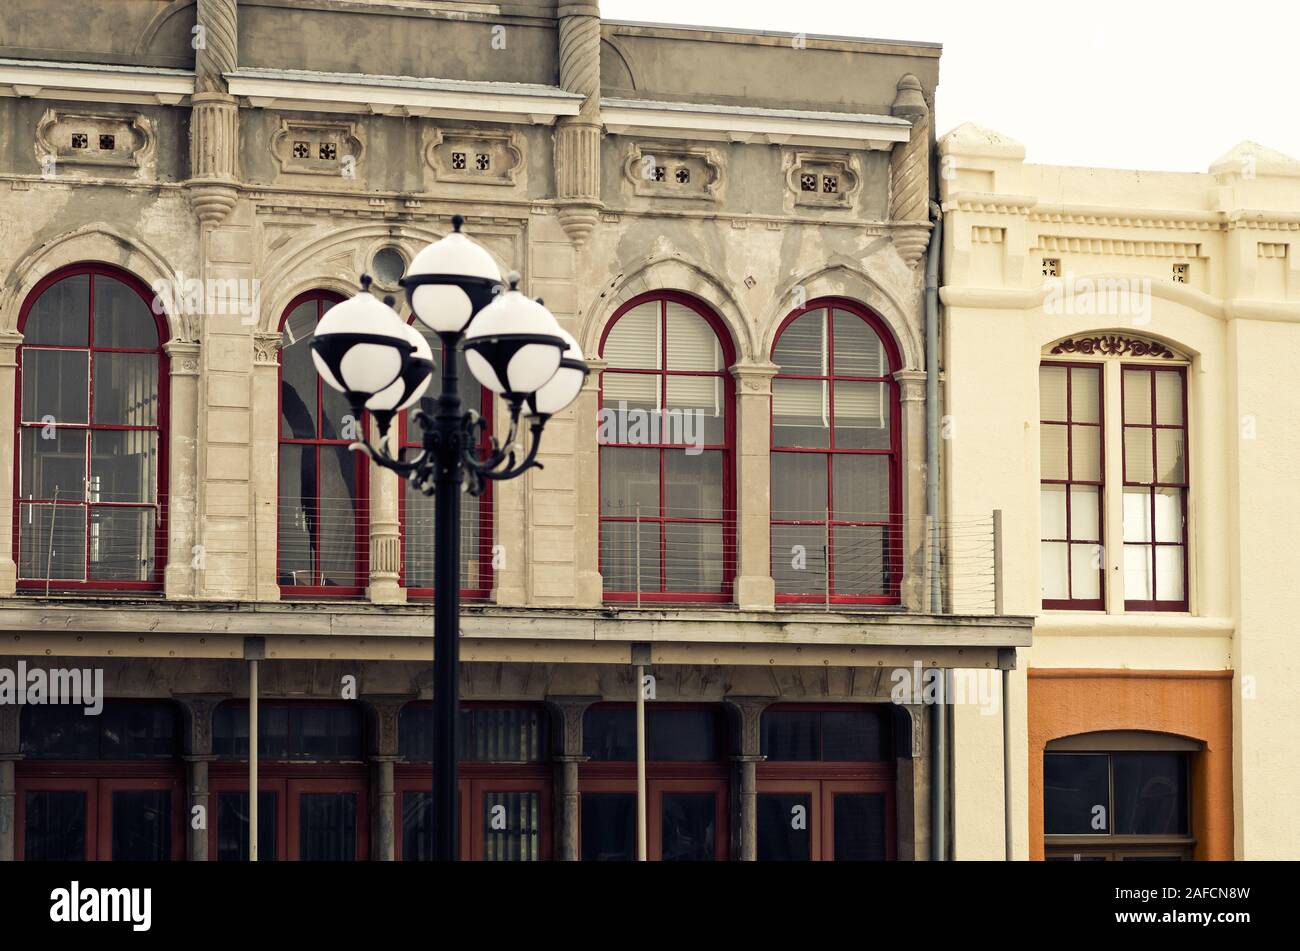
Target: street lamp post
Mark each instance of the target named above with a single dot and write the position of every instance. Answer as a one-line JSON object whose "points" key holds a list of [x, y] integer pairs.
{"points": [[514, 347]]}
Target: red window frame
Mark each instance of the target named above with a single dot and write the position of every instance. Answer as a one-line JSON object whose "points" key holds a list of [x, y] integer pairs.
{"points": [[361, 526], [1071, 603], [894, 524], [479, 508], [161, 427], [727, 448], [1152, 487], [289, 781]]}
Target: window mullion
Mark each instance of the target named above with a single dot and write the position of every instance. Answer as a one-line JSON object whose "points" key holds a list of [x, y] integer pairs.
{"points": [[1112, 502]]}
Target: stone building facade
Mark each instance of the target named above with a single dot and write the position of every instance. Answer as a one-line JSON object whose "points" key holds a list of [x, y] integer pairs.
{"points": [[236, 166]]}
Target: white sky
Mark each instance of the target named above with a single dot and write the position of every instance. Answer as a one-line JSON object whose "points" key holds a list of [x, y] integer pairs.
{"points": [[1147, 84]]}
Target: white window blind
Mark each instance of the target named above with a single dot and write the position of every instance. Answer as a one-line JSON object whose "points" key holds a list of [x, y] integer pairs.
{"points": [[692, 345], [634, 342]]}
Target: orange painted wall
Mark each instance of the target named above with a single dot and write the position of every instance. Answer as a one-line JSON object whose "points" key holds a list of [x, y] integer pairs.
{"points": [[1195, 703]]}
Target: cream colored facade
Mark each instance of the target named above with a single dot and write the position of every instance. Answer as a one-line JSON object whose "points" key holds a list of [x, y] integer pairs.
{"points": [[1212, 259]]}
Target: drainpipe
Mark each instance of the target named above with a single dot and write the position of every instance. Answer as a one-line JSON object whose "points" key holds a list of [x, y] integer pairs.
{"points": [[938, 718]]}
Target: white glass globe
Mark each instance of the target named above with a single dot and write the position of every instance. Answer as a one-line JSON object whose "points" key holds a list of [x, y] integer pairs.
{"points": [[563, 388], [360, 345], [448, 278], [410, 386], [514, 345]]}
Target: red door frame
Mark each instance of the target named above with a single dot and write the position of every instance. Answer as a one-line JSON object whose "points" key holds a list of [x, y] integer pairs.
{"points": [[162, 427], [663, 778], [821, 785], [475, 779]]}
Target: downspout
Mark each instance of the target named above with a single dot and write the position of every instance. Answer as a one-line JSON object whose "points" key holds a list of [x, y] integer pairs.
{"points": [[938, 718]]}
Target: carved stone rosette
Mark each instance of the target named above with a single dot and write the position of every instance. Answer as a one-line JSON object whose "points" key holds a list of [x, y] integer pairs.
{"points": [[909, 173], [577, 138]]}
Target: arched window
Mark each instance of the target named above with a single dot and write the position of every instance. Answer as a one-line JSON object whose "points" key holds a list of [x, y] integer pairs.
{"points": [[667, 519], [417, 521], [836, 523], [91, 504], [324, 538]]}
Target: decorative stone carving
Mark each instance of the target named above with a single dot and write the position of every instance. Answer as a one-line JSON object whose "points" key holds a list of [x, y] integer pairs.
{"points": [[577, 138], [822, 179], [474, 157], [1114, 345], [216, 44], [101, 140], [318, 148], [661, 171], [266, 349], [909, 167]]}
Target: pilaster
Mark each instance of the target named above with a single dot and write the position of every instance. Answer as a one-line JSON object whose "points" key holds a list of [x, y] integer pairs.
{"points": [[8, 379], [184, 558], [754, 589], [911, 393], [566, 718], [747, 715]]}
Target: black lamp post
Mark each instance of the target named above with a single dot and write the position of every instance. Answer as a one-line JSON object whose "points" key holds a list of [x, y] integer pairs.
{"points": [[514, 347]]}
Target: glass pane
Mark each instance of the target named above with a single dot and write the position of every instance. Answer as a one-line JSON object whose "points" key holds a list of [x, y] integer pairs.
{"points": [[417, 827], [696, 411], [131, 730], [680, 735], [53, 463], [1055, 571], [1169, 397], [338, 516], [628, 401], [858, 350], [1170, 455], [628, 478], [327, 827], [608, 827], [512, 827], [860, 560], [791, 735], [1051, 506], [623, 548], [1085, 394], [142, 826], [799, 558], [861, 488], [689, 821], [1137, 515], [52, 542], [418, 537], [1085, 572], [122, 317], [692, 344], [799, 490], [1137, 455], [298, 517], [1076, 794], [784, 822], [55, 827], [298, 377], [1085, 514], [55, 385], [693, 484], [609, 734], [59, 731], [121, 543], [859, 827], [693, 556], [1085, 448], [503, 735], [232, 827], [1169, 573], [1051, 394], [126, 389], [854, 736], [1150, 793], [1169, 515], [123, 465], [60, 316], [1052, 451], [801, 348], [862, 415], [324, 733], [634, 342], [1137, 573], [1137, 396], [801, 413]]}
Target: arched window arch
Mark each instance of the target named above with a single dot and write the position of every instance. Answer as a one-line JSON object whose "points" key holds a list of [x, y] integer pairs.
{"points": [[323, 512], [836, 494], [666, 433], [91, 506], [416, 515]]}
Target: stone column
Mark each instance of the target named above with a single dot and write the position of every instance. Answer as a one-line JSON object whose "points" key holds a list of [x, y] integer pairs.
{"points": [[566, 719], [9, 756], [214, 113], [577, 138], [911, 394], [746, 720], [909, 174], [9, 342], [755, 589], [586, 529], [385, 537], [197, 754], [185, 557], [383, 713], [265, 435]]}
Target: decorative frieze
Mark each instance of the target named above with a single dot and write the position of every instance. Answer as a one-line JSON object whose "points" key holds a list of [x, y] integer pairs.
{"points": [[99, 140], [655, 170], [474, 157], [1114, 345], [1117, 247]]}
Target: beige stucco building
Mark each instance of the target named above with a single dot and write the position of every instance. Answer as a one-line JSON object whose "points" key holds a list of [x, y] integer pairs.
{"points": [[706, 210], [1119, 353]]}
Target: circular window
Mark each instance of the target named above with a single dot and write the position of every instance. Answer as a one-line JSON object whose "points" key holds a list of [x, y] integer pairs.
{"points": [[388, 267]]}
